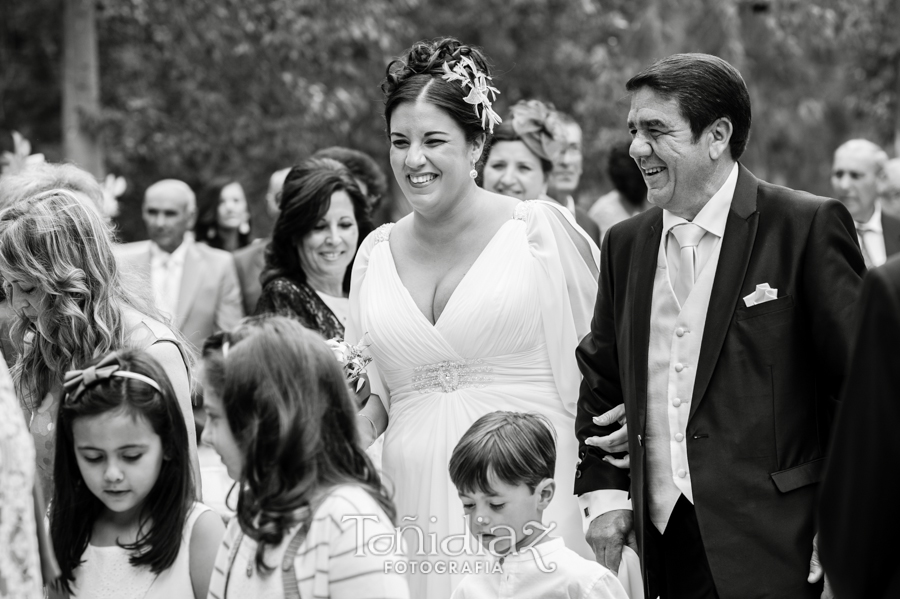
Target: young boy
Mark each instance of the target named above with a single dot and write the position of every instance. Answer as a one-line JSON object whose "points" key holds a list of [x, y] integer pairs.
{"points": [[503, 469]]}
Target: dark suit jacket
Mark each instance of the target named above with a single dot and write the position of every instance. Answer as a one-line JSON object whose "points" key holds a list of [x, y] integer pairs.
{"points": [[891, 226], [764, 386], [858, 524], [250, 261]]}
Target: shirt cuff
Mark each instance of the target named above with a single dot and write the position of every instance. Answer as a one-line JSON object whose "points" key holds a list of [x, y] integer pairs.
{"points": [[597, 503]]}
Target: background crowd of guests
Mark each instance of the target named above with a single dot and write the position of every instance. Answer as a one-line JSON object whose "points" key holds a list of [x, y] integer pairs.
{"points": [[669, 346]]}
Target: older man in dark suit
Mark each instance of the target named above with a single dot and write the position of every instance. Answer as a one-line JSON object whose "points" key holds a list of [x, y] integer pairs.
{"points": [[722, 323]]}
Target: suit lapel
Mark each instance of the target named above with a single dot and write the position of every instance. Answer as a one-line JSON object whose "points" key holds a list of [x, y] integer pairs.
{"points": [[647, 253], [737, 247], [191, 276]]}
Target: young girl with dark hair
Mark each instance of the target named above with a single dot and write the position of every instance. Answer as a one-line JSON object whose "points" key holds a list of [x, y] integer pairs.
{"points": [[281, 418], [124, 521]]}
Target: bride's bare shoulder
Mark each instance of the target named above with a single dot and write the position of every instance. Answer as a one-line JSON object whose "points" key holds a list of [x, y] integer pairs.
{"points": [[499, 204]]}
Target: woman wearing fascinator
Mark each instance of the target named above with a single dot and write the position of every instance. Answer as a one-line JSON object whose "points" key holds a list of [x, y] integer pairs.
{"points": [[525, 146], [474, 302]]}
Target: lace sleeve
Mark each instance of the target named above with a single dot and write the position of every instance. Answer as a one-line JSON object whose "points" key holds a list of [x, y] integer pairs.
{"points": [[20, 573]]}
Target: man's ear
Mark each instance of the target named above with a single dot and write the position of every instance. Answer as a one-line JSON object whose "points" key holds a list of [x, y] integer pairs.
{"points": [[719, 135], [545, 491]]}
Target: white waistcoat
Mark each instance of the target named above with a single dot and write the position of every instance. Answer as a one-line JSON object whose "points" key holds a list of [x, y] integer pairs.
{"points": [[675, 337]]}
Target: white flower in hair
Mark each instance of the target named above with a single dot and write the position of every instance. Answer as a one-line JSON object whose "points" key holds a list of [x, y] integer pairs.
{"points": [[21, 157], [113, 188], [481, 93]]}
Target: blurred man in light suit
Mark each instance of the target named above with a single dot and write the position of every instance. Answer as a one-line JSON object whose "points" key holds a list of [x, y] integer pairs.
{"points": [[859, 180], [194, 284], [891, 194]]}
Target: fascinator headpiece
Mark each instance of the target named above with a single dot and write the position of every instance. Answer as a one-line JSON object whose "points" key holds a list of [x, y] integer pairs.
{"points": [[539, 127]]}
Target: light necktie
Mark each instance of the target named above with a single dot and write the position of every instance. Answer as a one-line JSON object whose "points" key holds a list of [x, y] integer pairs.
{"points": [[861, 230], [163, 300], [688, 236]]}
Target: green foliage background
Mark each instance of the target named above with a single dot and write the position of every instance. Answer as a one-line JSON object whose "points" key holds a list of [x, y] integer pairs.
{"points": [[198, 88]]}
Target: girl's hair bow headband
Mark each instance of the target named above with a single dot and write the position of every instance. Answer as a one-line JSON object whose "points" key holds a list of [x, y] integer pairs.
{"points": [[79, 381]]}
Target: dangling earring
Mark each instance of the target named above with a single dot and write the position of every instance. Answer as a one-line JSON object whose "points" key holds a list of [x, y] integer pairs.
{"points": [[244, 228], [473, 173], [211, 233]]}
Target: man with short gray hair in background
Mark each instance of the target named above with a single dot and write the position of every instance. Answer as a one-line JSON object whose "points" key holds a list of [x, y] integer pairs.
{"points": [[566, 175], [858, 178], [193, 284], [891, 194]]}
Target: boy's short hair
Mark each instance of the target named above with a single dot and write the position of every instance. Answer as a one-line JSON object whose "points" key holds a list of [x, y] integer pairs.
{"points": [[513, 446]]}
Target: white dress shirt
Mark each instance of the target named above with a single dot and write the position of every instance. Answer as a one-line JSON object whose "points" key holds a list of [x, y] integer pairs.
{"points": [[712, 217], [339, 306], [548, 570], [871, 239], [166, 271]]}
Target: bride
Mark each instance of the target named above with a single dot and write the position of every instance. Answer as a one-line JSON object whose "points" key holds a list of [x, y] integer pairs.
{"points": [[474, 302]]}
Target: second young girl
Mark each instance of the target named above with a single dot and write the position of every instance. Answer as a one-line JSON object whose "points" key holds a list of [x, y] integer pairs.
{"points": [[310, 502], [124, 522]]}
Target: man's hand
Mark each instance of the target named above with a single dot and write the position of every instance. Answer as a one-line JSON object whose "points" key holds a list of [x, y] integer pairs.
{"points": [[608, 533], [816, 572], [615, 442]]}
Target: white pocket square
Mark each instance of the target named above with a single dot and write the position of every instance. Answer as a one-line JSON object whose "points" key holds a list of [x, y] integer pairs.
{"points": [[763, 294]]}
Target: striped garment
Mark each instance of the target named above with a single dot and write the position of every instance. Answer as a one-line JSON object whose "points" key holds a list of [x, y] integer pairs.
{"points": [[333, 561]]}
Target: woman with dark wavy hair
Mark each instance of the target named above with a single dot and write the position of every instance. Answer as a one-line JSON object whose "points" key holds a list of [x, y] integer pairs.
{"points": [[283, 421], [323, 218], [474, 302]]}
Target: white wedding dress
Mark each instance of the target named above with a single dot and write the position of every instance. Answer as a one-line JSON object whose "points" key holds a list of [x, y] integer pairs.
{"points": [[505, 341]]}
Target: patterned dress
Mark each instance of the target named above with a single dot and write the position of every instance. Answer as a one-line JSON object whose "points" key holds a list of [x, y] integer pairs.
{"points": [[20, 567], [299, 301]]}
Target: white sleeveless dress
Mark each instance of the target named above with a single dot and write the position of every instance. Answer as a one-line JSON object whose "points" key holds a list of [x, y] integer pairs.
{"points": [[505, 341], [106, 573]]}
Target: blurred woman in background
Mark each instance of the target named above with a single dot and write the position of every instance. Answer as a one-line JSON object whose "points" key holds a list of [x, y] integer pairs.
{"points": [[224, 221], [519, 161]]}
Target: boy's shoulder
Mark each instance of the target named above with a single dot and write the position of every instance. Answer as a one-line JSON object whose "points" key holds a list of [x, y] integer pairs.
{"points": [[548, 570], [585, 577]]}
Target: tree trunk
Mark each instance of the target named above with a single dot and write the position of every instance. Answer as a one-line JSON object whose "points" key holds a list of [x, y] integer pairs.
{"points": [[897, 110], [81, 86]]}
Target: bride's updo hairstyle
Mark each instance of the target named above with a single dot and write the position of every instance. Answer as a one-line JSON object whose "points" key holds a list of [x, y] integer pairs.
{"points": [[420, 75]]}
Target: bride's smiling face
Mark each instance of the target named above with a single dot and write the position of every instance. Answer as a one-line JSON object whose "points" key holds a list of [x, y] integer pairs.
{"points": [[430, 156]]}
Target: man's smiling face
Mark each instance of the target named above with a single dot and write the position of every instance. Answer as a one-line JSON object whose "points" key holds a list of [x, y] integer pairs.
{"points": [[676, 168]]}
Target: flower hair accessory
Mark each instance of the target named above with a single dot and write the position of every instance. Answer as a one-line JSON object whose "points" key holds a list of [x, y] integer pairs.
{"points": [[481, 94], [20, 158], [113, 188], [79, 381]]}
